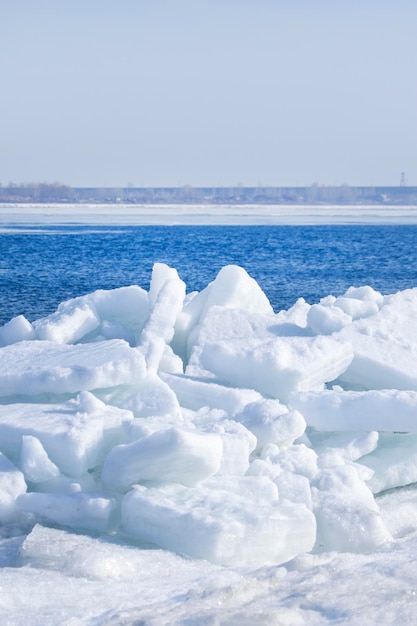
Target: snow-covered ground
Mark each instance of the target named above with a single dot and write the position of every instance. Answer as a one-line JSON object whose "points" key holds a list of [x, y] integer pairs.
{"points": [[199, 459], [137, 214]]}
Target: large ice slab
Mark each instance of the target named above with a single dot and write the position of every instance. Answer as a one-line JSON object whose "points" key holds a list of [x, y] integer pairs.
{"points": [[166, 295], [148, 396], [238, 442], [278, 366], [173, 455], [121, 312], [232, 288], [336, 410], [260, 490], [194, 393], [70, 323], [75, 435], [261, 352], [36, 367], [219, 526], [18, 329], [348, 518], [85, 511], [385, 346]]}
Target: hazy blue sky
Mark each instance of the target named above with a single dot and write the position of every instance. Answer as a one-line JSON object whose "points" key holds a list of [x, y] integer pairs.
{"points": [[208, 92]]}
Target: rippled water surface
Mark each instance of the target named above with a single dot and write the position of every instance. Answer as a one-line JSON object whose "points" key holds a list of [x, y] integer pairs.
{"points": [[41, 268]]}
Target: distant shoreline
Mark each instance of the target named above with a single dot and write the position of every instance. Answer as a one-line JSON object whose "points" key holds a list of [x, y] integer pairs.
{"points": [[19, 215], [314, 194]]}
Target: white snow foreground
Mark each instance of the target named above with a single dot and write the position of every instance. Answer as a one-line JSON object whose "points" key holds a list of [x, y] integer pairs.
{"points": [[208, 425]]}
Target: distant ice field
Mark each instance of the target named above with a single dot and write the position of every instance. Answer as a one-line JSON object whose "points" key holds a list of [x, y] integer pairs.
{"points": [[51, 253], [189, 214]]}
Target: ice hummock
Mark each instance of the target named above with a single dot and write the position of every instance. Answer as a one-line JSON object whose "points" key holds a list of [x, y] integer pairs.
{"points": [[207, 424]]}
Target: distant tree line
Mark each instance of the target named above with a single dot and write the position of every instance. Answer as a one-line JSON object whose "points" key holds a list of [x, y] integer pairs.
{"points": [[37, 192], [187, 194]]}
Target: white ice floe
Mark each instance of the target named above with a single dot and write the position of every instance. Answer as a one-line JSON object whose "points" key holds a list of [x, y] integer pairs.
{"points": [[74, 435], [31, 368], [118, 313], [194, 393], [18, 329], [232, 289], [82, 510], [337, 410], [166, 456], [261, 352], [166, 295], [385, 346], [219, 525], [348, 517], [206, 425]]}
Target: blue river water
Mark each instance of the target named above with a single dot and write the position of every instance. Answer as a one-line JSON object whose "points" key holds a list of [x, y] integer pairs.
{"points": [[41, 268]]}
